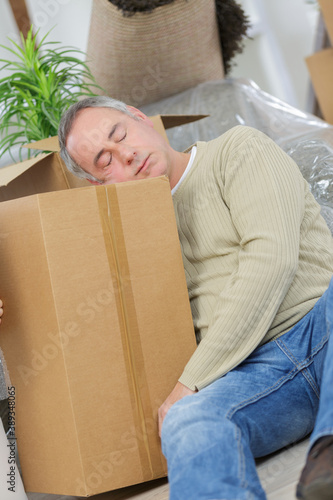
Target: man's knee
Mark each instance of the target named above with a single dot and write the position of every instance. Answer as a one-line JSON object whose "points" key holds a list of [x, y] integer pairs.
{"points": [[191, 422], [183, 421]]}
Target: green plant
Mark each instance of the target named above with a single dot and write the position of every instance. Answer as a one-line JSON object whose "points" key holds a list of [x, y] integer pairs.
{"points": [[43, 81]]}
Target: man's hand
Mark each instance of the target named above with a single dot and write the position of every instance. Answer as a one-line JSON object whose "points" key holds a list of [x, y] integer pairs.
{"points": [[180, 390]]}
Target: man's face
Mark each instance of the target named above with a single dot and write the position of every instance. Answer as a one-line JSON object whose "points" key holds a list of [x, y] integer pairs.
{"points": [[115, 147]]}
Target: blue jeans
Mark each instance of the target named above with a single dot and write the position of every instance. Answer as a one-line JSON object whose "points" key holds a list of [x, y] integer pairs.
{"points": [[211, 438]]}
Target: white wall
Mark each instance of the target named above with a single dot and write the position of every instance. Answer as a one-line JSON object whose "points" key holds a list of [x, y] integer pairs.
{"points": [[283, 34], [68, 19]]}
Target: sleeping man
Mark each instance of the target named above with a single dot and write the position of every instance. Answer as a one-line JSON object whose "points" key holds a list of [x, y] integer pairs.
{"points": [[258, 260]]}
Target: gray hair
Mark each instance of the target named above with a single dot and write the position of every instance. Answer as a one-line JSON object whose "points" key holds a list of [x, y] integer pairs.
{"points": [[68, 119]]}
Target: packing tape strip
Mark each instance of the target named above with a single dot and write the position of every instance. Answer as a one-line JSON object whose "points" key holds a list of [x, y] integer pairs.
{"points": [[117, 255]]}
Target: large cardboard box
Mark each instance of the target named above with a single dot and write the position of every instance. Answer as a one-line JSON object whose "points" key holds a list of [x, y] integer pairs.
{"points": [[47, 172], [96, 332]]}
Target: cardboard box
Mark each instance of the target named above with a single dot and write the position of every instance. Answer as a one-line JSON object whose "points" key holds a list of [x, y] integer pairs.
{"points": [[326, 8], [320, 65], [96, 333], [47, 172]]}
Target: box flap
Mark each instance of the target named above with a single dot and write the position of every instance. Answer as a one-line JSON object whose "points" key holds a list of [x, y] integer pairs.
{"points": [[41, 174], [320, 66], [8, 174], [49, 144], [170, 121]]}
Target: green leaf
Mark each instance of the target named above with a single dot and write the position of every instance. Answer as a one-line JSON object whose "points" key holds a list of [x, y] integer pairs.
{"points": [[45, 78]]}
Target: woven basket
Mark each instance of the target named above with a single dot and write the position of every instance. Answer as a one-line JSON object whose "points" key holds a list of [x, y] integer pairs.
{"points": [[148, 56]]}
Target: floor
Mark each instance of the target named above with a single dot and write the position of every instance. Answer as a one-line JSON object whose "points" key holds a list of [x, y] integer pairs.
{"points": [[278, 473]]}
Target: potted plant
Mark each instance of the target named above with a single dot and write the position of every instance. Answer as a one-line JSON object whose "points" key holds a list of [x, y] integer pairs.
{"points": [[44, 79]]}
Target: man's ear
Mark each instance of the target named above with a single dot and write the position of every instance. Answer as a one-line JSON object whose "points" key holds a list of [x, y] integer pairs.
{"points": [[139, 114]]}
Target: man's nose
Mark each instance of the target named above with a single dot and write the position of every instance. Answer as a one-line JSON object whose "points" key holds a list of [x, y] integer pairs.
{"points": [[127, 154]]}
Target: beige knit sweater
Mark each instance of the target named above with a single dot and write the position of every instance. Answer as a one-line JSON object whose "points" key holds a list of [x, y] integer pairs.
{"points": [[256, 251]]}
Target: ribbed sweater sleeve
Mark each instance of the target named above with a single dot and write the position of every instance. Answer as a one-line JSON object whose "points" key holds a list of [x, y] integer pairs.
{"points": [[260, 210]]}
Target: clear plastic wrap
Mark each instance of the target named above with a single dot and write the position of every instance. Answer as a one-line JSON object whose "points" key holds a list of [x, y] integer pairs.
{"points": [[306, 138]]}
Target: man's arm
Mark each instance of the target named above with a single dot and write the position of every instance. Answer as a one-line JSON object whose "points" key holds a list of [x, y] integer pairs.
{"points": [[264, 192]]}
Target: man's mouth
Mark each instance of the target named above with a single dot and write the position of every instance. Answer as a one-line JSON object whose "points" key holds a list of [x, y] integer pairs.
{"points": [[143, 165]]}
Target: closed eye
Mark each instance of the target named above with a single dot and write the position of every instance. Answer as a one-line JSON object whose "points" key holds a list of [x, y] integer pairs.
{"points": [[104, 160], [119, 140], [109, 162]]}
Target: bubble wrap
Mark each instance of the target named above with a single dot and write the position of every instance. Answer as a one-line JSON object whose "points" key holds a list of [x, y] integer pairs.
{"points": [[306, 138]]}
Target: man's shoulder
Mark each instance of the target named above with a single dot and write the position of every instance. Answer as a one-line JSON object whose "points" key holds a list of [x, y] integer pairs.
{"points": [[238, 132], [235, 136], [242, 131]]}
